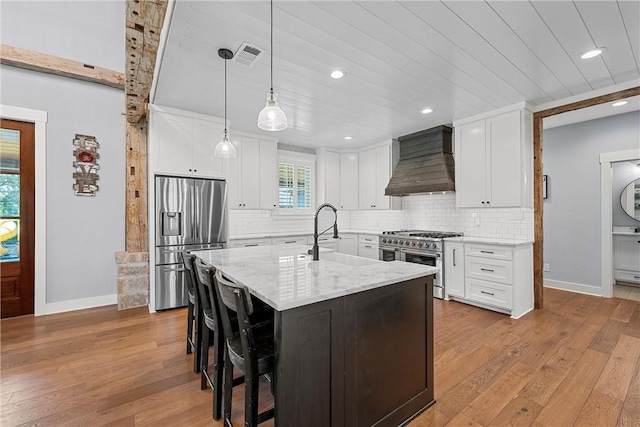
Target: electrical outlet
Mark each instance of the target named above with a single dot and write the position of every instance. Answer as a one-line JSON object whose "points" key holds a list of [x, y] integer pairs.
{"points": [[546, 267]]}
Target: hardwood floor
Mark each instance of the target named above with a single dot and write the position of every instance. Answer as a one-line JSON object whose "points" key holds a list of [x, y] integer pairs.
{"points": [[574, 363]]}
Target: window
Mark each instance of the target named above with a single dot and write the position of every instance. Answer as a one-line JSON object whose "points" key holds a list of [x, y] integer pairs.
{"points": [[295, 183], [9, 195]]}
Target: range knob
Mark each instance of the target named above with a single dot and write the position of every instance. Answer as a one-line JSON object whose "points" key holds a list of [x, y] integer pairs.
{"points": [[407, 243], [420, 245], [395, 241], [413, 243], [433, 245]]}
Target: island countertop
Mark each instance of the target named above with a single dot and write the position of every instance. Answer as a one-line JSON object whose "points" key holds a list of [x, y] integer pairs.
{"points": [[285, 276]]}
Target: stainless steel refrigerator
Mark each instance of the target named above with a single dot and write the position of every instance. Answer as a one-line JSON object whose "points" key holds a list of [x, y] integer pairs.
{"points": [[191, 213]]}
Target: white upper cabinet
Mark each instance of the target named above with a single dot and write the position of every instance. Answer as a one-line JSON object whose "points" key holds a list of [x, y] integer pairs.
{"points": [[268, 174], [374, 173], [494, 159], [349, 181], [252, 175], [328, 177], [183, 145]]}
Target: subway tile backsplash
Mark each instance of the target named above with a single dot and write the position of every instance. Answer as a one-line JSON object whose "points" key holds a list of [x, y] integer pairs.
{"points": [[425, 212]]}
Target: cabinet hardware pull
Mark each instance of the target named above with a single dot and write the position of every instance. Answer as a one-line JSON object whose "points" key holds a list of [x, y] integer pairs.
{"points": [[487, 293], [486, 269], [636, 277], [454, 257], [367, 246], [290, 241], [252, 244], [169, 270], [483, 203], [486, 252]]}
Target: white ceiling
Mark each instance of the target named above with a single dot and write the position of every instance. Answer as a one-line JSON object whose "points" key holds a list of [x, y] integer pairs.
{"points": [[460, 58]]}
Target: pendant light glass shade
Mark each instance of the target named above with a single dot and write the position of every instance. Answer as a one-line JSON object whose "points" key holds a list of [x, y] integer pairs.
{"points": [[272, 118], [225, 148]]}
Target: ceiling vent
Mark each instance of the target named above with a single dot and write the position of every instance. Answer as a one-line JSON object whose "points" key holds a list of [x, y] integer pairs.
{"points": [[247, 54]]}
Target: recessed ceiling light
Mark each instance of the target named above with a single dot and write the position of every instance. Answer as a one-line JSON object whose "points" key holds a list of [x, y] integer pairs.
{"points": [[337, 74], [618, 104], [591, 53], [348, 137], [427, 111]]}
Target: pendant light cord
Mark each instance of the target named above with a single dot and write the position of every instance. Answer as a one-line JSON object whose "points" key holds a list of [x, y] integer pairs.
{"points": [[225, 97], [272, 47]]}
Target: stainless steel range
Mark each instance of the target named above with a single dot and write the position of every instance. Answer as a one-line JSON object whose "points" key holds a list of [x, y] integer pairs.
{"points": [[417, 246]]}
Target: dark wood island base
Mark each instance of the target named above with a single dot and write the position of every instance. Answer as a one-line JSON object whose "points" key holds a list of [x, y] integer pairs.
{"points": [[365, 359]]}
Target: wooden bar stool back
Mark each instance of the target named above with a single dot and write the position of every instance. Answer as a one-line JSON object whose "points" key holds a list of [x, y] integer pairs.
{"points": [[249, 346], [194, 315]]}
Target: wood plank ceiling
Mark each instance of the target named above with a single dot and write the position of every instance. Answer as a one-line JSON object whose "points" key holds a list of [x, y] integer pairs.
{"points": [[459, 58]]}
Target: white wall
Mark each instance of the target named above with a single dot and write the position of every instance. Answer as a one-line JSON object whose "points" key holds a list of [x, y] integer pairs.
{"points": [[83, 233], [572, 244], [623, 174]]}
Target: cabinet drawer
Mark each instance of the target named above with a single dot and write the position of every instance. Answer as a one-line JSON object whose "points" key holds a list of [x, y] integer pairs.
{"points": [[301, 240], [489, 251], [627, 276], [489, 293], [245, 243], [489, 269], [369, 239]]}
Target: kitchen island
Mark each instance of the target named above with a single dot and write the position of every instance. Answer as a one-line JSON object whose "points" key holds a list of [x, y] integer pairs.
{"points": [[354, 336]]}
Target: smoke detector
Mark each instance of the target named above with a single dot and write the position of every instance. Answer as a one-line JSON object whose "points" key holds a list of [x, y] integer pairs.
{"points": [[247, 54]]}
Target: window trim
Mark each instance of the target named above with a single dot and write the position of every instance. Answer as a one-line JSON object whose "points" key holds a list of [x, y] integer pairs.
{"points": [[297, 159]]}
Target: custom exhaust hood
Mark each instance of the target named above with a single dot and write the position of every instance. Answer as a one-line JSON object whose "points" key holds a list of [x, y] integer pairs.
{"points": [[426, 163]]}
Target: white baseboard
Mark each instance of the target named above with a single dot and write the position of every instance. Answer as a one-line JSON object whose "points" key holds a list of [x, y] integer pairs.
{"points": [[573, 287], [78, 304]]}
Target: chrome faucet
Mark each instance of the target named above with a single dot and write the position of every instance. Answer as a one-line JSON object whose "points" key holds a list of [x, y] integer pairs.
{"points": [[316, 248]]}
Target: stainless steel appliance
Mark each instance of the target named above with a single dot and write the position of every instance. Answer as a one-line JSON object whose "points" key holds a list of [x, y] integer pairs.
{"points": [[191, 214], [417, 246]]}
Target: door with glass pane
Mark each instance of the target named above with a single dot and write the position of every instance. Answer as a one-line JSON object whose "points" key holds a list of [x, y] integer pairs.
{"points": [[17, 217]]}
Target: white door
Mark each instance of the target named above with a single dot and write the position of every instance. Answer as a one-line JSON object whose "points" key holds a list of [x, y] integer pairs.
{"points": [[173, 136], [205, 137], [504, 160], [268, 174], [453, 277], [383, 172], [367, 179], [349, 181], [470, 165], [250, 173]]}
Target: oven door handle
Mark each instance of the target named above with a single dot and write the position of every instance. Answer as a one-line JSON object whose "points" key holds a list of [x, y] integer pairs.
{"points": [[427, 254]]}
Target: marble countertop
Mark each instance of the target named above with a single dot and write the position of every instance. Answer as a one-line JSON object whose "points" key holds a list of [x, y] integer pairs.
{"points": [[625, 233], [285, 276], [488, 240]]}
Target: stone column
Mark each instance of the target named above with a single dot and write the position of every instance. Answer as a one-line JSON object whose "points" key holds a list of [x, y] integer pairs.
{"points": [[133, 279]]}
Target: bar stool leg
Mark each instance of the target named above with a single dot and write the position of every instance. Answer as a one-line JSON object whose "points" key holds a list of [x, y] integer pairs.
{"points": [[199, 320], [228, 387], [189, 327], [205, 358]]}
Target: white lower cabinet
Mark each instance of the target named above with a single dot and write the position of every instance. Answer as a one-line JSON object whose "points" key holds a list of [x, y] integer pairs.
{"points": [[454, 268], [348, 244], [626, 258], [368, 246], [496, 277]]}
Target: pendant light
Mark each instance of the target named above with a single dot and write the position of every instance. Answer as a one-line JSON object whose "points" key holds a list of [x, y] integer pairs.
{"points": [[272, 118], [225, 148]]}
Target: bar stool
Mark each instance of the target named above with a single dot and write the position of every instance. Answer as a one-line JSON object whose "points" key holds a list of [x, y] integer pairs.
{"points": [[249, 346], [211, 333], [194, 316]]}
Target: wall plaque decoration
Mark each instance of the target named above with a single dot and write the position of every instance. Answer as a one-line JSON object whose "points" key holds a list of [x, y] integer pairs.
{"points": [[86, 164]]}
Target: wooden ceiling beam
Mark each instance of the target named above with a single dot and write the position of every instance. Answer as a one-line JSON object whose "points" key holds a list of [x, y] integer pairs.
{"points": [[144, 20], [41, 62]]}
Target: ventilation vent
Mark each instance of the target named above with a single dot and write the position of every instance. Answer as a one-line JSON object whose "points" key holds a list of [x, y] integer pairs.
{"points": [[247, 54]]}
